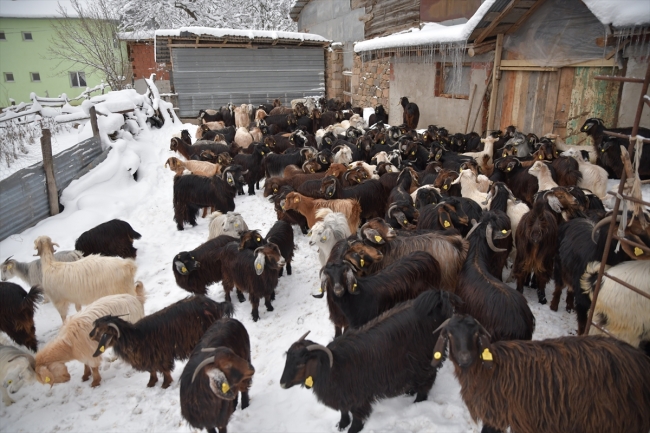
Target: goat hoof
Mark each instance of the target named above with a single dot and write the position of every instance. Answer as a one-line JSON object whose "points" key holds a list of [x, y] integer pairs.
{"points": [[568, 309], [269, 308], [543, 301], [151, 384], [95, 384], [421, 396], [256, 316], [553, 305], [165, 385], [240, 298]]}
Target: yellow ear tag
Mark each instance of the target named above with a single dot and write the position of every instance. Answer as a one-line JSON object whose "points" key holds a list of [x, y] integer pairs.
{"points": [[262, 153], [363, 262], [445, 187], [225, 388], [461, 170], [275, 190], [9, 382], [354, 287], [9, 266], [320, 290], [309, 382], [324, 238], [296, 200], [258, 266], [101, 349], [540, 156], [602, 150], [486, 355], [259, 240], [183, 269], [638, 251], [377, 238], [504, 231], [509, 168], [437, 355], [47, 379], [412, 153], [446, 224]]}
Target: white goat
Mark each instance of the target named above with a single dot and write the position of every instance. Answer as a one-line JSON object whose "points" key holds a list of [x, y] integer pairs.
{"points": [[357, 122], [325, 233], [73, 342], [16, 370], [243, 138], [231, 224], [414, 194], [594, 178], [370, 169], [484, 158], [469, 188], [562, 146], [242, 116], [624, 313], [85, 280], [543, 174], [343, 156]]}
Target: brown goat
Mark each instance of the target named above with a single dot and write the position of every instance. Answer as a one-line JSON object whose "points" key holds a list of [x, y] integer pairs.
{"points": [[308, 206], [17, 313], [200, 168]]}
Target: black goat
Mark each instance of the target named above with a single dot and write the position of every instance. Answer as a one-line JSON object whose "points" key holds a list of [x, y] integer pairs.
{"points": [[112, 238], [503, 311], [155, 341], [17, 313], [370, 194], [281, 234], [275, 163], [379, 115], [291, 216], [253, 166], [193, 192], [219, 369], [389, 356], [411, 115], [255, 272], [361, 299], [611, 157]]}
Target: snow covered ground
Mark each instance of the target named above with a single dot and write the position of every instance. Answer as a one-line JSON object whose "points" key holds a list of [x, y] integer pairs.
{"points": [[123, 403]]}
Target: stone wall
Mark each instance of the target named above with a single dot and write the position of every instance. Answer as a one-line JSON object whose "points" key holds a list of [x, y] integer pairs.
{"points": [[371, 82], [334, 72]]}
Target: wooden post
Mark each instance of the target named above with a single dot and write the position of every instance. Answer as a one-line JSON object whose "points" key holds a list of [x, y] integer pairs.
{"points": [[496, 75], [469, 110], [93, 121], [48, 166]]}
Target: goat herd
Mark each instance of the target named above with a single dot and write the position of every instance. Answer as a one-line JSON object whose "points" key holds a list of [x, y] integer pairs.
{"points": [[413, 229]]}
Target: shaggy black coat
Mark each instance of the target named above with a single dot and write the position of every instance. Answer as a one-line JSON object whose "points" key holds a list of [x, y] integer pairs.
{"points": [[112, 238], [17, 313]]}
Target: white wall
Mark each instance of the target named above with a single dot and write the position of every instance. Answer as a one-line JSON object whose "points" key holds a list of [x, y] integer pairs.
{"points": [[636, 67], [416, 81]]}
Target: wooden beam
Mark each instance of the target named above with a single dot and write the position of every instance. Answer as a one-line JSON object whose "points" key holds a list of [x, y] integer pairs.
{"points": [[496, 76], [48, 166], [486, 32], [528, 64], [474, 50], [528, 68], [525, 16]]}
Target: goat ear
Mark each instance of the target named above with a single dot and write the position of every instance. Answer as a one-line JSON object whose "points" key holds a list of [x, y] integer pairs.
{"points": [[373, 236], [445, 219], [485, 347], [440, 348], [554, 203], [260, 261]]}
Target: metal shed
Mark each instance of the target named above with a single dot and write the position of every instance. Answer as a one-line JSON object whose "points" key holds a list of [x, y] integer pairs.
{"points": [[209, 71]]}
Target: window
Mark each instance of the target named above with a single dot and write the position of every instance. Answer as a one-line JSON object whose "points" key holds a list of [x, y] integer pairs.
{"points": [[451, 85], [9, 77], [27, 36], [78, 79], [35, 76], [2, 36]]}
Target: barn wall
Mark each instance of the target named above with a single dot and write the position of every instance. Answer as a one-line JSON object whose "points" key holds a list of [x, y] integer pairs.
{"points": [[385, 17], [636, 67], [370, 83]]}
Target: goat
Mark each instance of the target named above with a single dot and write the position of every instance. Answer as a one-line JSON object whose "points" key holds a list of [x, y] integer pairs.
{"points": [[112, 238], [281, 234], [193, 192], [188, 150], [155, 341], [16, 370], [611, 157], [330, 228], [275, 163], [199, 168], [290, 216], [484, 158], [361, 299], [31, 273], [370, 194], [411, 115], [469, 188], [242, 116], [255, 272], [622, 312], [253, 166], [549, 380], [363, 365], [504, 311], [230, 223], [308, 206], [449, 250], [85, 280], [219, 369], [379, 115], [594, 178], [17, 313], [73, 342], [501, 198]]}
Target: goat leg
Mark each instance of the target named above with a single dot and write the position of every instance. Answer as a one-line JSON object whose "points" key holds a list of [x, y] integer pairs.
{"points": [[569, 300], [240, 295], [344, 422], [256, 303], [359, 415], [267, 303], [96, 377], [167, 379], [245, 400], [153, 378], [86, 375], [541, 288], [288, 266], [488, 429], [273, 295]]}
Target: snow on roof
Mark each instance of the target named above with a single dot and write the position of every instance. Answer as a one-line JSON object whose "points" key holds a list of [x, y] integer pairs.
{"points": [[620, 13], [251, 34], [431, 33], [36, 8]]}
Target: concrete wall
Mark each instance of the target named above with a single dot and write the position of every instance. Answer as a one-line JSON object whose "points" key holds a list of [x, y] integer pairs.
{"points": [[636, 67], [334, 20], [417, 82]]}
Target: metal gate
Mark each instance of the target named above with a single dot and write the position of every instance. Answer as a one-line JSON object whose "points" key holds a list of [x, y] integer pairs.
{"points": [[213, 77]]}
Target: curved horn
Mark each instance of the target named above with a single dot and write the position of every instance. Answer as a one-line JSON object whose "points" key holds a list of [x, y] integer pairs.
{"points": [[203, 363], [208, 349], [442, 325], [114, 326], [8, 258], [488, 237], [324, 349], [304, 336], [602, 222]]}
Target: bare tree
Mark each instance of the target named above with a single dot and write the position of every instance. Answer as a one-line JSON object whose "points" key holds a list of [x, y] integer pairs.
{"points": [[90, 39]]}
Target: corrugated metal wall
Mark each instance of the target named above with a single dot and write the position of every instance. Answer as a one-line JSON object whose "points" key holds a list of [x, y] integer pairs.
{"points": [[212, 77], [23, 195]]}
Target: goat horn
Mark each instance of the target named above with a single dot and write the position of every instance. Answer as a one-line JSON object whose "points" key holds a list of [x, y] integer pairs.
{"points": [[488, 237], [8, 258], [304, 336], [601, 223], [113, 325], [324, 349], [474, 227], [442, 325], [208, 349], [203, 363]]}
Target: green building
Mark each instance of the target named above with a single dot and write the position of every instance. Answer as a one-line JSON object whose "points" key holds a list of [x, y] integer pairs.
{"points": [[26, 33]]}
